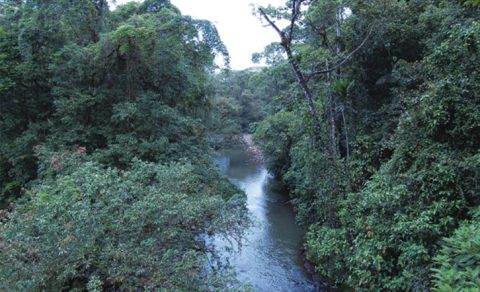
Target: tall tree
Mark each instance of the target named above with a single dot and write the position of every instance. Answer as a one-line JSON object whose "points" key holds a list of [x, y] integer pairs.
{"points": [[287, 39]]}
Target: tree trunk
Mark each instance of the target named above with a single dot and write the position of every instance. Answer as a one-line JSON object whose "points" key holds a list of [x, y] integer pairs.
{"points": [[345, 130], [331, 114], [338, 31], [306, 91]]}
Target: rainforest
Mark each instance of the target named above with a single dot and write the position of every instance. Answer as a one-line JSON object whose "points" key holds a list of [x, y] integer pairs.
{"points": [[134, 158]]}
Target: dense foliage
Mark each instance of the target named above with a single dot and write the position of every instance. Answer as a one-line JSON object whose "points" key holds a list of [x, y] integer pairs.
{"points": [[105, 174], [393, 166], [458, 260], [95, 227], [369, 113], [240, 100]]}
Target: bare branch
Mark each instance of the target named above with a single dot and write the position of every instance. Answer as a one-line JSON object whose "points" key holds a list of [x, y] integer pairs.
{"points": [[295, 13], [286, 43], [272, 24], [341, 63]]}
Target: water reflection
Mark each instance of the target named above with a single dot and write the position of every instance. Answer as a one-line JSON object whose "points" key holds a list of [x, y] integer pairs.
{"points": [[270, 258]]}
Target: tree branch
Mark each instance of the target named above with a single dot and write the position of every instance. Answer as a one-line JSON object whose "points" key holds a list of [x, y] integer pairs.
{"points": [[339, 64], [295, 12], [272, 24], [286, 43]]}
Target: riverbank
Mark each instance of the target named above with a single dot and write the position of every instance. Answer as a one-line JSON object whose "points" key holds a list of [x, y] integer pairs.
{"points": [[270, 258], [256, 154], [253, 150]]}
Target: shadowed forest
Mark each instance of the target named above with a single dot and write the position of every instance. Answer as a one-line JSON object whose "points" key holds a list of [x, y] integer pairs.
{"points": [[367, 112]]}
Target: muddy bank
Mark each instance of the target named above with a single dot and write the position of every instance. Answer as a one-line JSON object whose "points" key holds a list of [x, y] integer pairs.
{"points": [[253, 150]]}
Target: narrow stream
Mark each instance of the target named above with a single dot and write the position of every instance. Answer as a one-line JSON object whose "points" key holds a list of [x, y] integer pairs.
{"points": [[270, 258]]}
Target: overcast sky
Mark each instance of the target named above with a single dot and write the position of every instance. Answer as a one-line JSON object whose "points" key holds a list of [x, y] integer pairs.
{"points": [[242, 33]]}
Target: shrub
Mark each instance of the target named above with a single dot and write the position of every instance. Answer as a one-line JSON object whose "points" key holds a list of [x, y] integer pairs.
{"points": [[458, 263], [90, 227]]}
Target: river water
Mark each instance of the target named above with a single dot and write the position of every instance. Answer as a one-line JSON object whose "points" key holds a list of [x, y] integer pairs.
{"points": [[270, 257]]}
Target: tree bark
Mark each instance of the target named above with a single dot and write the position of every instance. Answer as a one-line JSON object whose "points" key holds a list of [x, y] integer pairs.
{"points": [[331, 115], [345, 130], [286, 41], [338, 31], [306, 90]]}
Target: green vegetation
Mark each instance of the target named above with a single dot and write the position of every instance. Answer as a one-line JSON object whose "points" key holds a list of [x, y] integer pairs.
{"points": [[240, 100], [87, 226], [379, 142], [105, 171], [458, 260], [369, 113]]}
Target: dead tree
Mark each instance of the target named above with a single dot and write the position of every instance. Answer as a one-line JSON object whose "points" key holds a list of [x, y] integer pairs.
{"points": [[286, 38], [286, 42]]}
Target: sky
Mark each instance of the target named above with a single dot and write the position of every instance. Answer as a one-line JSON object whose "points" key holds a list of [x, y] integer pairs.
{"points": [[242, 32]]}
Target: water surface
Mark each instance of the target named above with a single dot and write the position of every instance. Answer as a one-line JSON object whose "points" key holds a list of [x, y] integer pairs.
{"points": [[270, 257]]}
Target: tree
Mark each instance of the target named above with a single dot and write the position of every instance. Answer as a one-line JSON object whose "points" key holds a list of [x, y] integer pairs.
{"points": [[106, 176], [411, 158], [287, 37]]}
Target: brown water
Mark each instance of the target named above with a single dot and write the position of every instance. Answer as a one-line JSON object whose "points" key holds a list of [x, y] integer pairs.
{"points": [[270, 257]]}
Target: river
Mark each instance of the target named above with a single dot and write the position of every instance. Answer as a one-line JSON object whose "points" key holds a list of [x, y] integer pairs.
{"points": [[270, 257]]}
